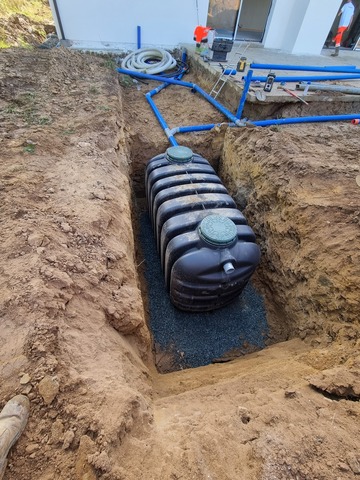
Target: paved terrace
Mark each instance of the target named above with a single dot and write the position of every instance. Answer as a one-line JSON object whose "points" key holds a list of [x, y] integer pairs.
{"points": [[210, 71]]}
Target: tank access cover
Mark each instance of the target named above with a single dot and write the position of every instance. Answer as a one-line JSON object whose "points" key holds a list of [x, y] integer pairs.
{"points": [[218, 230], [179, 154]]}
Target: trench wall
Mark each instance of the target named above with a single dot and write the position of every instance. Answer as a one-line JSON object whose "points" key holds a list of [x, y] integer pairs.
{"points": [[299, 193]]}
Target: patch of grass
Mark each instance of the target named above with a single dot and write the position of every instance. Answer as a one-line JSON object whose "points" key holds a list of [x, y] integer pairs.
{"points": [[3, 44], [104, 108], [109, 63], [44, 121], [37, 10], [125, 81], [275, 128], [29, 116], [69, 131], [29, 96], [24, 44], [30, 148], [36, 13], [11, 108], [94, 90]]}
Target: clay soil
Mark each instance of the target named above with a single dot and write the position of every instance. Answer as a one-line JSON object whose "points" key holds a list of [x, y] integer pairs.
{"points": [[74, 140]]}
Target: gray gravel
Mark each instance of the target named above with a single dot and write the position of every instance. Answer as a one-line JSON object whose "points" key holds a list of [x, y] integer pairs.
{"points": [[196, 339]]}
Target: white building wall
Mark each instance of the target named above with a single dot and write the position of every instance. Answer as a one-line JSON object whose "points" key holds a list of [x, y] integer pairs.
{"points": [[113, 23], [300, 26], [295, 26], [311, 37]]}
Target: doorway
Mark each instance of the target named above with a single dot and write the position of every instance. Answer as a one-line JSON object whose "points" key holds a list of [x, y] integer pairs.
{"points": [[241, 20], [352, 35]]}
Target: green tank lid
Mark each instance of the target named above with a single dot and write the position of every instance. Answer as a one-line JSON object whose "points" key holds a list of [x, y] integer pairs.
{"points": [[218, 230], [179, 154]]}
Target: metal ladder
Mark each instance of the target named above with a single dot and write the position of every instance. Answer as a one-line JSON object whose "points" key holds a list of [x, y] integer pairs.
{"points": [[222, 80], [220, 83]]}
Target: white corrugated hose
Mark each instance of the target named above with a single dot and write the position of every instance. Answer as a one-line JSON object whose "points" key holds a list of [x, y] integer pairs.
{"points": [[149, 60]]}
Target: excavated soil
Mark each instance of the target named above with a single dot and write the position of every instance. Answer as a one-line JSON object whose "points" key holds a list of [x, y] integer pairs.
{"points": [[74, 139]]}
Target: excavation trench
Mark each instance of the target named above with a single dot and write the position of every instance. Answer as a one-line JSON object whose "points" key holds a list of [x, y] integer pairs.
{"points": [[75, 310], [276, 176]]}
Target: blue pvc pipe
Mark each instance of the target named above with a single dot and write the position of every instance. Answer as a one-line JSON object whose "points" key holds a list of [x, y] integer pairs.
{"points": [[315, 78], [201, 128], [157, 78], [287, 121], [229, 71], [217, 105], [193, 86], [196, 128], [244, 94], [138, 31], [302, 68], [348, 67], [160, 119], [156, 111]]}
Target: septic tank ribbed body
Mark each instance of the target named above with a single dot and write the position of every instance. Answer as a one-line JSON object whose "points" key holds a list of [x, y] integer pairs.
{"points": [[207, 251]]}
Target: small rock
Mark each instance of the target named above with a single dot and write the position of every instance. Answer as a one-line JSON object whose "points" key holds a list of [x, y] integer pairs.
{"points": [[68, 438], [111, 310], [26, 390], [57, 431], [65, 227], [83, 470], [25, 379], [35, 239], [53, 414], [48, 389], [354, 463], [100, 461], [343, 467], [99, 195], [244, 414], [290, 394], [31, 448]]}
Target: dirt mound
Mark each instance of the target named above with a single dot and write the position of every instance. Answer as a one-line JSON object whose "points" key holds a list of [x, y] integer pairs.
{"points": [[19, 30]]}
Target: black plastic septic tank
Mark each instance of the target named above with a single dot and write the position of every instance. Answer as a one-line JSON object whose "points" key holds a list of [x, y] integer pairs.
{"points": [[208, 252]]}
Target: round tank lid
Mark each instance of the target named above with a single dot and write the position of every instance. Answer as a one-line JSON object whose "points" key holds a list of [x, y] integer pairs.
{"points": [[179, 154], [218, 230]]}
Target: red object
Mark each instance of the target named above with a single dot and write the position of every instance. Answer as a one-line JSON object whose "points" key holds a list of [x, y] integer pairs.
{"points": [[200, 33], [356, 121], [338, 37], [294, 95]]}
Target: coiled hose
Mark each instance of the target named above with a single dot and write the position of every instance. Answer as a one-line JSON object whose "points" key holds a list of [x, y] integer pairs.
{"points": [[149, 60]]}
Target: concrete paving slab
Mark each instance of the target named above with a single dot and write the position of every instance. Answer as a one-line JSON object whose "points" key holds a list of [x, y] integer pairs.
{"points": [[256, 53]]}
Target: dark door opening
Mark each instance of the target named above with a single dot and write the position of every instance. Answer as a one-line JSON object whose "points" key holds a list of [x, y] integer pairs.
{"points": [[352, 35], [241, 20]]}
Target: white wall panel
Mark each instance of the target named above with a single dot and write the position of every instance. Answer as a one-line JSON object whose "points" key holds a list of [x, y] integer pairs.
{"points": [[162, 22], [300, 26]]}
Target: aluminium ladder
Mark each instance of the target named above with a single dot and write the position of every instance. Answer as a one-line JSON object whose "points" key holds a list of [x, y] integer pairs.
{"points": [[223, 78]]}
